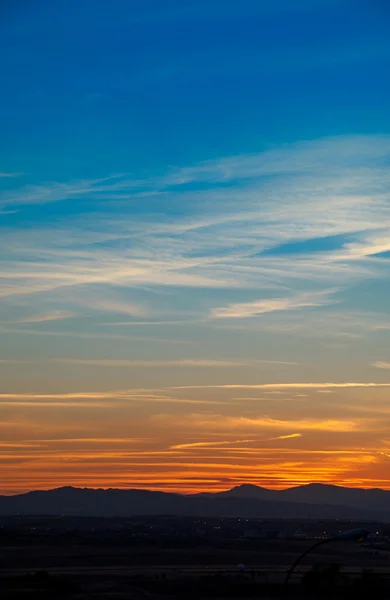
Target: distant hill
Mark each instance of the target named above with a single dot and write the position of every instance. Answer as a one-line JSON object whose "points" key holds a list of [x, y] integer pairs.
{"points": [[248, 490], [318, 493], [311, 501]]}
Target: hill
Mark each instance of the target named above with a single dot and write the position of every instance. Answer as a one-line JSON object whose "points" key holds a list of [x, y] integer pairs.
{"points": [[318, 493], [311, 501]]}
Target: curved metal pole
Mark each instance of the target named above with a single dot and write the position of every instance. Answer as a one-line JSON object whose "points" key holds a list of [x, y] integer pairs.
{"points": [[354, 535], [301, 557]]}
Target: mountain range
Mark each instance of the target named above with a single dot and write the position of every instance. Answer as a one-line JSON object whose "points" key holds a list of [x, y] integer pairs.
{"points": [[307, 501]]}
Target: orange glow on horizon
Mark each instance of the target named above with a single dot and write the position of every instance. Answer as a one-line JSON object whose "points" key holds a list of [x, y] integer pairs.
{"points": [[162, 447]]}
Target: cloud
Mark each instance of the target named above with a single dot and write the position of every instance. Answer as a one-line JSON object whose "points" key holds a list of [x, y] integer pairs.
{"points": [[3, 174], [247, 425], [56, 403], [150, 323], [381, 365], [253, 398], [91, 336], [305, 424], [152, 363], [230, 442], [287, 437], [352, 152], [265, 386], [320, 190], [58, 315], [344, 324], [207, 444], [182, 362], [96, 440], [54, 192], [215, 238], [91, 399], [72, 395], [113, 306], [250, 309], [117, 403]]}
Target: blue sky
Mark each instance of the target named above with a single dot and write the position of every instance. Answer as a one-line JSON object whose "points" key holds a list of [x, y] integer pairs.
{"points": [[194, 194]]}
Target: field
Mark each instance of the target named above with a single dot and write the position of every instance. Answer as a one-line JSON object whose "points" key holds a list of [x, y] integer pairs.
{"points": [[168, 558]]}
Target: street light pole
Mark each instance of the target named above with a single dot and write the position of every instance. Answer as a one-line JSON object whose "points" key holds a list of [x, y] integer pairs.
{"points": [[354, 535], [302, 556]]}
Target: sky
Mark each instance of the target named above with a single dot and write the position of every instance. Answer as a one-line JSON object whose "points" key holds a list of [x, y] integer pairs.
{"points": [[194, 244]]}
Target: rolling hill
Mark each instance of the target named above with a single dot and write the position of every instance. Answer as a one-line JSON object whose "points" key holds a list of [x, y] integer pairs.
{"points": [[310, 501]]}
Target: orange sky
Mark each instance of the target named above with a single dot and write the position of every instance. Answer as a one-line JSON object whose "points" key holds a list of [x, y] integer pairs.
{"points": [[195, 439]]}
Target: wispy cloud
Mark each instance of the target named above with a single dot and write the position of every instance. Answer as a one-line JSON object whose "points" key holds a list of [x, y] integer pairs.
{"points": [[115, 260], [73, 395], [56, 403], [265, 386], [182, 362], [231, 442], [321, 190], [233, 250], [153, 363], [287, 437], [135, 310], [107, 399], [42, 318], [344, 325], [352, 151], [208, 444], [114, 403], [250, 309], [249, 425], [381, 365], [98, 335], [54, 192], [306, 425]]}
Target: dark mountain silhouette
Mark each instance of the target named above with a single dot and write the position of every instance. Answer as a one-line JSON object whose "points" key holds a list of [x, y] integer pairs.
{"points": [[318, 493], [248, 490], [310, 501]]}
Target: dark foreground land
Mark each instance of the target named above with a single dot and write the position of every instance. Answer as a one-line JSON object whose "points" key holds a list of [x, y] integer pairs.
{"points": [[168, 557]]}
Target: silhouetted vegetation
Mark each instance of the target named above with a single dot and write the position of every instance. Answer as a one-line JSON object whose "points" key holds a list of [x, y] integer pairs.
{"points": [[40, 585], [321, 582]]}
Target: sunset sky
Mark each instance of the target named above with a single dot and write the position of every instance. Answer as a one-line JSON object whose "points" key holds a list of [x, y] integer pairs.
{"points": [[194, 243]]}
